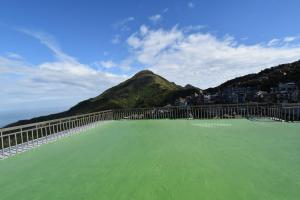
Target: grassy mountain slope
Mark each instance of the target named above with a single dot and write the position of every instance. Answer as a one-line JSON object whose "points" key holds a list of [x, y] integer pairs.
{"points": [[144, 89], [265, 79]]}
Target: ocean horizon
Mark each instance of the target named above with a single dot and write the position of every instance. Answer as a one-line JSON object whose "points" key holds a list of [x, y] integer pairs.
{"points": [[8, 117]]}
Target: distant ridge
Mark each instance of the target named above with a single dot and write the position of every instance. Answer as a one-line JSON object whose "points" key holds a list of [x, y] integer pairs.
{"points": [[144, 89], [147, 89], [265, 79]]}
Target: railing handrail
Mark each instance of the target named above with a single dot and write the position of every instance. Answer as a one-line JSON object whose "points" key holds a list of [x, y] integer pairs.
{"points": [[213, 105], [17, 139], [51, 121], [284, 105]]}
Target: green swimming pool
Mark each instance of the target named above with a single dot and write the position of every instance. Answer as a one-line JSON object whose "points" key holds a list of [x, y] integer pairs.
{"points": [[161, 159]]}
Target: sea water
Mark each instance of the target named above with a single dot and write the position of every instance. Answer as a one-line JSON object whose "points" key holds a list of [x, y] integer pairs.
{"points": [[7, 117]]}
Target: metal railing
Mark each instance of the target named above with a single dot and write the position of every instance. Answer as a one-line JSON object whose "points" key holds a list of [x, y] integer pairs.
{"points": [[18, 139], [280, 112], [14, 140]]}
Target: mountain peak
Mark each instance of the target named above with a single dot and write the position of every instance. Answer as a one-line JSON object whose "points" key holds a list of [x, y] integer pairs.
{"points": [[144, 89], [143, 73]]}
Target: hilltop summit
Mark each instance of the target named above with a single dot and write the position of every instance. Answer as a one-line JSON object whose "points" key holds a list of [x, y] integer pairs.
{"points": [[147, 89], [144, 89]]}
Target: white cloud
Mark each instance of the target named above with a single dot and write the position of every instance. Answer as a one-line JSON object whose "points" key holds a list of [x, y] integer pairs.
{"points": [[191, 5], [126, 65], [289, 39], [14, 56], [143, 29], [116, 39], [7, 64], [274, 42], [133, 41], [155, 18], [50, 42], [194, 28], [150, 45], [123, 24], [64, 78], [165, 10], [284, 41], [203, 59], [107, 64], [183, 55]]}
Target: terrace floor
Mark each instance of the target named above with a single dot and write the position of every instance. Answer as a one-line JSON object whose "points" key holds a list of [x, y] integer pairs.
{"points": [[161, 159]]}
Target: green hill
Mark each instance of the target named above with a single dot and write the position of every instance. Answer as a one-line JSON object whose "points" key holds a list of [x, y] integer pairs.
{"points": [[144, 89], [265, 79]]}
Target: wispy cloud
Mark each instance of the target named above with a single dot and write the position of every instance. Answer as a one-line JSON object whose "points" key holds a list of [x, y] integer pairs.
{"points": [[203, 59], [165, 10], [194, 28], [107, 64], [274, 42], [123, 24], [155, 18], [62, 78], [191, 4], [289, 39], [181, 54], [116, 39], [50, 42], [13, 55], [282, 41]]}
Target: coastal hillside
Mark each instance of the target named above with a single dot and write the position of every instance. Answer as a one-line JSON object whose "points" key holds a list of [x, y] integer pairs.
{"points": [[144, 89], [265, 79], [147, 89]]}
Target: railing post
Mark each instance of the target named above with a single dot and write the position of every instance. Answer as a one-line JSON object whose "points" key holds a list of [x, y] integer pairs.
{"points": [[9, 144], [50, 131], [55, 130], [22, 140], [37, 135], [27, 139], [16, 143], [88, 120], [2, 144], [46, 136], [42, 135], [293, 114], [84, 122], [73, 124], [81, 123], [69, 126], [60, 127], [32, 138]]}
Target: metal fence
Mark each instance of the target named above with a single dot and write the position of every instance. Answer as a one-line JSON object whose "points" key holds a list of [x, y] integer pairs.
{"points": [[21, 138], [290, 112]]}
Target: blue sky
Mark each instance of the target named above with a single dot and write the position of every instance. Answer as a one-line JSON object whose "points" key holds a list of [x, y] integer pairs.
{"points": [[56, 53]]}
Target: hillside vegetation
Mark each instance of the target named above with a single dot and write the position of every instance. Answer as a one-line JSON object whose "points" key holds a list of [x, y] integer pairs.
{"points": [[144, 89], [265, 79]]}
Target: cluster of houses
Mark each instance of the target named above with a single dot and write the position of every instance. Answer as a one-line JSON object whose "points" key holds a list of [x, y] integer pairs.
{"points": [[284, 93]]}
